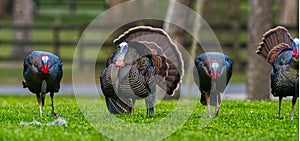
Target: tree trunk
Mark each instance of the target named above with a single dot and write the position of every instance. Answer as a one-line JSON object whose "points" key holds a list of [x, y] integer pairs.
{"points": [[234, 16], [176, 33], [2, 8], [260, 20], [196, 29], [288, 12], [194, 46], [180, 17], [116, 12], [22, 15], [112, 3]]}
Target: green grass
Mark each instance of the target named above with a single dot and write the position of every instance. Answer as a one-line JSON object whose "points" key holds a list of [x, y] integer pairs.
{"points": [[237, 120]]}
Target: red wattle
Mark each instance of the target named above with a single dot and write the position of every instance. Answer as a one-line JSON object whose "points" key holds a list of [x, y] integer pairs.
{"points": [[295, 54], [45, 69], [214, 75], [120, 63]]}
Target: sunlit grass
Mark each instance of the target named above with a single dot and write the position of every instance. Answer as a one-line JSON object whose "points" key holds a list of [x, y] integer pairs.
{"points": [[237, 120]]}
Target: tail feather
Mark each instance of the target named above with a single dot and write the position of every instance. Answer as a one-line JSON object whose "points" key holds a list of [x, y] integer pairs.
{"points": [[273, 40], [203, 99], [164, 67], [158, 58], [273, 53], [166, 57], [174, 77], [116, 106], [262, 50], [44, 87], [24, 84]]}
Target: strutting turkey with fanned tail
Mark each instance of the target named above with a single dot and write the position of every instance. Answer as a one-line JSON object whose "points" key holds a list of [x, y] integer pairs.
{"points": [[280, 50], [212, 74], [42, 74], [145, 58]]}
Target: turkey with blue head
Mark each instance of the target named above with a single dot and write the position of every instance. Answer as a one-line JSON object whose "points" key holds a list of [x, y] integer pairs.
{"points": [[213, 72], [279, 49], [145, 59], [42, 74]]}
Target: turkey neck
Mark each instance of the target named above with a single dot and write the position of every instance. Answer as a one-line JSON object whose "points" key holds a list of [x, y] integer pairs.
{"points": [[213, 85], [119, 75], [214, 89]]}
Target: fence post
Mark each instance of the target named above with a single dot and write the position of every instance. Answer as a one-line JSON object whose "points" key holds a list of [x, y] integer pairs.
{"points": [[235, 25], [80, 46], [57, 27]]}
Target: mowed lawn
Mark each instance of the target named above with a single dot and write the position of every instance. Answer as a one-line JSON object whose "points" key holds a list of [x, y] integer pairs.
{"points": [[237, 120]]}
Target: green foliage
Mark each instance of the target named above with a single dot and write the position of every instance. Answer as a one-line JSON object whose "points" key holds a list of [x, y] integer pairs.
{"points": [[58, 11], [237, 120], [238, 78]]}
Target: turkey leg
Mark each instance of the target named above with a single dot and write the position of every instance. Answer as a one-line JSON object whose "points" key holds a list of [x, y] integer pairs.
{"points": [[150, 99], [38, 97], [293, 106], [217, 105], [208, 104], [279, 105], [52, 104]]}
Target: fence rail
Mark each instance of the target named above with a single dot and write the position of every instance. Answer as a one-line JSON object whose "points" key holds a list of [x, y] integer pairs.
{"points": [[57, 43]]}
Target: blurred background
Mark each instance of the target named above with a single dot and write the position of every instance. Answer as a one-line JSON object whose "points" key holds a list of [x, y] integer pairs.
{"points": [[57, 25]]}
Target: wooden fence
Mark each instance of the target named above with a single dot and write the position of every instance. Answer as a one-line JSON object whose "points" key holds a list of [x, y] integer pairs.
{"points": [[57, 43]]}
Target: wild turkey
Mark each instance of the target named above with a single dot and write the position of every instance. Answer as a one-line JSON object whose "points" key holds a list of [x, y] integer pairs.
{"points": [[213, 73], [42, 74], [145, 58], [278, 48]]}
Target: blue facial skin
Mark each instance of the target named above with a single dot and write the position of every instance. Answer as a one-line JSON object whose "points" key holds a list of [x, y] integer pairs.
{"points": [[296, 43], [123, 48], [215, 67], [120, 56], [45, 61]]}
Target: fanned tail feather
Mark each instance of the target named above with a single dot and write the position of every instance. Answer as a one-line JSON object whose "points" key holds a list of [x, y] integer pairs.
{"points": [[116, 106], [159, 60], [273, 53], [173, 79], [166, 57], [273, 42]]}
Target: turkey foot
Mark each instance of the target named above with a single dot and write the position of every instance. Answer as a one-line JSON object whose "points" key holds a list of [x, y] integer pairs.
{"points": [[53, 114]]}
